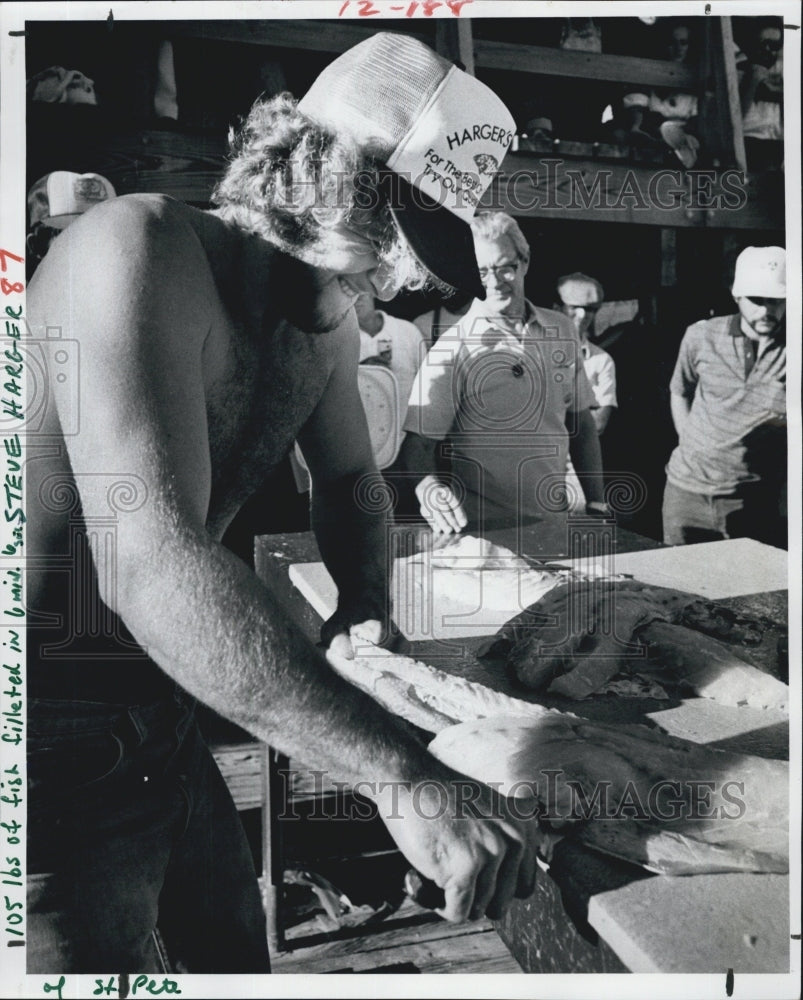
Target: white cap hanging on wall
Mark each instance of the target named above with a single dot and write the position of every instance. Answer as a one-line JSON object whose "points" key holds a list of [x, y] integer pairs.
{"points": [[440, 132], [57, 199]]}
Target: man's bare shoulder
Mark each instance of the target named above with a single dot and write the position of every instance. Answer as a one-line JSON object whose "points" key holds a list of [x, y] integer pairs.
{"points": [[140, 241]]}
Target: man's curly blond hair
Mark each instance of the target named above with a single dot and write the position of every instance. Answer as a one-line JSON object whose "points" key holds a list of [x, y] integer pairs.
{"points": [[292, 182]]}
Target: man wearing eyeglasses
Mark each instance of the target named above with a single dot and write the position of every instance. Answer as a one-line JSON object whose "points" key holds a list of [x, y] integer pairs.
{"points": [[505, 396], [727, 476], [580, 299]]}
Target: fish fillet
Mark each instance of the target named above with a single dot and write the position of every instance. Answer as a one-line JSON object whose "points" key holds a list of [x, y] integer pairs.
{"points": [[665, 804]]}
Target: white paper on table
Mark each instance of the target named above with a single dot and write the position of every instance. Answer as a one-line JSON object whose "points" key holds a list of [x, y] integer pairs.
{"points": [[465, 587], [730, 568]]}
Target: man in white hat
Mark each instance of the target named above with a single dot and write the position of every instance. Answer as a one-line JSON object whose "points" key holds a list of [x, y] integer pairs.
{"points": [[727, 476], [209, 342]]}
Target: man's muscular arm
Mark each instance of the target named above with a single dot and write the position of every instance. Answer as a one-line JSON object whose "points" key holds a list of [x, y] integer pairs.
{"points": [[348, 512], [141, 311]]}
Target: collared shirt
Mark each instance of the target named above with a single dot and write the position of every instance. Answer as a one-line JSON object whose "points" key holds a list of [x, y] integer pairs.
{"points": [[502, 396], [601, 373], [435, 322], [407, 350], [735, 433]]}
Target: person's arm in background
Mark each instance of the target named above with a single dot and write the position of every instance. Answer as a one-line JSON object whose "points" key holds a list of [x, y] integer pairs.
{"points": [[683, 384], [587, 457], [753, 76], [604, 392], [430, 415], [584, 448], [681, 408], [438, 504], [201, 613], [601, 415]]}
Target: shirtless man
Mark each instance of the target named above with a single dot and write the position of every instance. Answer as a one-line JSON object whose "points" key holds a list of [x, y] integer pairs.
{"points": [[209, 341]]}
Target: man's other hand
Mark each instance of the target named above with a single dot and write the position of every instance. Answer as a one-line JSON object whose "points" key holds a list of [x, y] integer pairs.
{"points": [[340, 636], [440, 508]]}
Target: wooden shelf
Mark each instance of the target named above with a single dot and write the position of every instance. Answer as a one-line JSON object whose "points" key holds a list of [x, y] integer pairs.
{"points": [[183, 165], [311, 36], [552, 187], [170, 161], [187, 165], [586, 65], [542, 60]]}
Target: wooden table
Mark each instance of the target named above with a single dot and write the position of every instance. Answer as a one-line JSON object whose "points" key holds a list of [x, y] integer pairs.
{"points": [[591, 913]]}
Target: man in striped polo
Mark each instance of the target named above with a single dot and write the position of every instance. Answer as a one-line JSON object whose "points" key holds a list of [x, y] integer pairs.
{"points": [[727, 476]]}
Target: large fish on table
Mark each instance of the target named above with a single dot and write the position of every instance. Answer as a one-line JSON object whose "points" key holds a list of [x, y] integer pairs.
{"points": [[665, 804]]}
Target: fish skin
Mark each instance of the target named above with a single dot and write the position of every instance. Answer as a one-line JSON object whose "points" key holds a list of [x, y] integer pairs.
{"points": [[581, 634]]}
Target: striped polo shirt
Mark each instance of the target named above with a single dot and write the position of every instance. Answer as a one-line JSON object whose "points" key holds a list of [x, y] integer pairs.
{"points": [[736, 430]]}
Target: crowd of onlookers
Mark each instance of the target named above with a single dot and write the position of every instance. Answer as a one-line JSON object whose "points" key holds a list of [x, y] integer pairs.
{"points": [[505, 411], [513, 413]]}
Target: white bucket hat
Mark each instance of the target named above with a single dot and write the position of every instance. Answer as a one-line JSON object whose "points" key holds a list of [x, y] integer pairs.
{"points": [[441, 133]]}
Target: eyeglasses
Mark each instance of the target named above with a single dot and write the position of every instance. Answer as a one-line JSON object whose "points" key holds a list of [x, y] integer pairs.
{"points": [[592, 307], [503, 272]]}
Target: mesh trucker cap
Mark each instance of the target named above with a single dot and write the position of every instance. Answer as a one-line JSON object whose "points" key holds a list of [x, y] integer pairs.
{"points": [[440, 133], [58, 199]]}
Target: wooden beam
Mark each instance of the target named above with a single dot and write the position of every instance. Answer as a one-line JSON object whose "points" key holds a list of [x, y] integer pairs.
{"points": [[466, 42], [592, 191], [734, 103], [763, 207], [315, 36], [327, 36], [669, 257], [453, 40], [551, 187], [720, 107], [589, 65]]}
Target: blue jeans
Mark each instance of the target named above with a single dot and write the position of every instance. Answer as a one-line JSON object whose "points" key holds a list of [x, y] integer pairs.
{"points": [[696, 517], [130, 828]]}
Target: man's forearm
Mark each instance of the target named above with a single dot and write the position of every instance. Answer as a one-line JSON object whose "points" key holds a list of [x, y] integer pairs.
{"points": [[418, 454], [350, 517], [601, 415], [748, 87], [587, 458], [209, 622]]}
